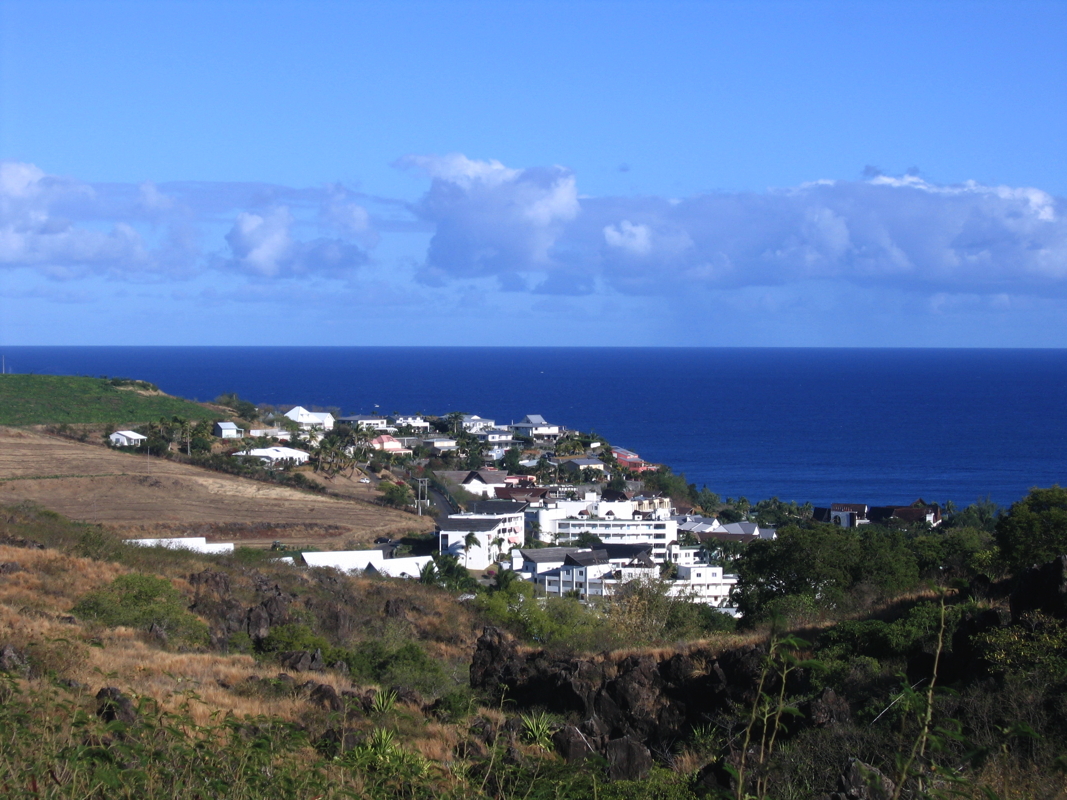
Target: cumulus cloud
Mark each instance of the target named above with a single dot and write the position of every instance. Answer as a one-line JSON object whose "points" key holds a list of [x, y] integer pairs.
{"points": [[64, 228], [904, 232], [491, 220]]}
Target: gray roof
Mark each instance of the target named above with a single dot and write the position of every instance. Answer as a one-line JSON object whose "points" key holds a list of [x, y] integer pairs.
{"points": [[230, 426], [543, 555], [498, 507], [466, 524]]}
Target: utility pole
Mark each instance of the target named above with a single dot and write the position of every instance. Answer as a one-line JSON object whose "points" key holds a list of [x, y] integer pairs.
{"points": [[423, 492]]}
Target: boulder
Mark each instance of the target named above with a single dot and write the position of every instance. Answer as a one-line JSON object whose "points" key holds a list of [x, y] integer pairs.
{"points": [[572, 744], [827, 709], [11, 660], [628, 759], [112, 705], [9, 567], [861, 781]]}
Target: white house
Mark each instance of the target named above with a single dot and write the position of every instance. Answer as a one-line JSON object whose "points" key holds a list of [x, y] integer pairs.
{"points": [[228, 430], [368, 422], [127, 439], [535, 426], [198, 544], [657, 532], [413, 421], [346, 560], [410, 567], [276, 455], [491, 535], [311, 420], [472, 423], [272, 433], [440, 443], [494, 435], [702, 583]]}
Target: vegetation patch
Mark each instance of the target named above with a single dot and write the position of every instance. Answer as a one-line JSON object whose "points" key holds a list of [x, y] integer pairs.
{"points": [[59, 399]]}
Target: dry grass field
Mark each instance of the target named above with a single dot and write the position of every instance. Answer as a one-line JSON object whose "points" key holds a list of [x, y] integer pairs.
{"points": [[143, 497]]}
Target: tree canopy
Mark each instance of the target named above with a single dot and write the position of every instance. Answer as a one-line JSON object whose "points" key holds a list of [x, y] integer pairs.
{"points": [[1035, 528]]}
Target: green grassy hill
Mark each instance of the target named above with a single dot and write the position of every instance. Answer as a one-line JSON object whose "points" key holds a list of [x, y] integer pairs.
{"points": [[53, 399]]}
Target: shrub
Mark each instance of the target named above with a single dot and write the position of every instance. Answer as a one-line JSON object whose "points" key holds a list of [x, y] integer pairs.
{"points": [[141, 601]]}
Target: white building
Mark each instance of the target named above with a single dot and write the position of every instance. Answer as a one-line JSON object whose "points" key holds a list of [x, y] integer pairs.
{"points": [[311, 420], [702, 583], [127, 439], [197, 544], [535, 426], [346, 560], [367, 422], [479, 540], [413, 421], [271, 433], [276, 455], [472, 423], [228, 430]]}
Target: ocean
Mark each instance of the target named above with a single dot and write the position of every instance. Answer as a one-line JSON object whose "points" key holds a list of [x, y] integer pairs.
{"points": [[880, 426]]}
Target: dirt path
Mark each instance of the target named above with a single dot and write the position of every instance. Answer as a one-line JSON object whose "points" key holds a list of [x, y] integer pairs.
{"points": [[150, 496]]}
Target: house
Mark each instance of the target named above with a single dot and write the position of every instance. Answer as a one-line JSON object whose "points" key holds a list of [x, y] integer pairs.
{"points": [[367, 422], [440, 444], [482, 482], [276, 455], [198, 544], [228, 430], [592, 573], [496, 436], [538, 561], [409, 567], [413, 421], [311, 420], [534, 426], [578, 464], [127, 439], [628, 459], [472, 423], [270, 433], [478, 540], [346, 560], [387, 444], [702, 583], [919, 511]]}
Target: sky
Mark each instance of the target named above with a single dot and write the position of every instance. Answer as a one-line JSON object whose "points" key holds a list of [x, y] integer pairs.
{"points": [[585, 173]]}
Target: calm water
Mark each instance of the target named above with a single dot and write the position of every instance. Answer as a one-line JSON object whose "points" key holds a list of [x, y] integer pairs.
{"points": [[819, 425]]}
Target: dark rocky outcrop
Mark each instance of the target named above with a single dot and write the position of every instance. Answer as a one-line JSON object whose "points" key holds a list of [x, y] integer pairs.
{"points": [[302, 660], [10, 567], [112, 705]]}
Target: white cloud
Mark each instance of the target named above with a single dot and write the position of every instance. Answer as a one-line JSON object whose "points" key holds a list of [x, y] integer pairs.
{"points": [[904, 232], [67, 229], [492, 220]]}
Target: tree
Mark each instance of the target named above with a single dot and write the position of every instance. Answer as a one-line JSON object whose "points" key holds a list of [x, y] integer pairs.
{"points": [[397, 495], [1035, 529]]}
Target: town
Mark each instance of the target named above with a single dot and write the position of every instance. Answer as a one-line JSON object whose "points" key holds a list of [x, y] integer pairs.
{"points": [[564, 510]]}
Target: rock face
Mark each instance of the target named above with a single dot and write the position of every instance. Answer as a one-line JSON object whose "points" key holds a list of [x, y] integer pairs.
{"points": [[629, 706]]}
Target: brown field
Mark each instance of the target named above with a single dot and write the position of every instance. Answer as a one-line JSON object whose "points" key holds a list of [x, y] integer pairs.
{"points": [[143, 497]]}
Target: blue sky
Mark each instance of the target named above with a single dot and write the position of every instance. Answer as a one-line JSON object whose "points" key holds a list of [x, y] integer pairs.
{"points": [[588, 173]]}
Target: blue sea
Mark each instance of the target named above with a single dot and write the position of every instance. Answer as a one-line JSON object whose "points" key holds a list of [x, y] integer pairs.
{"points": [[880, 426]]}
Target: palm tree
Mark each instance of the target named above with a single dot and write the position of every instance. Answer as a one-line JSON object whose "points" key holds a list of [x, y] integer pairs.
{"points": [[469, 541]]}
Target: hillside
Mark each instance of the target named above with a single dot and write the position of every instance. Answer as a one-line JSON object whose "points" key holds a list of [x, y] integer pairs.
{"points": [[134, 672], [143, 497], [66, 399]]}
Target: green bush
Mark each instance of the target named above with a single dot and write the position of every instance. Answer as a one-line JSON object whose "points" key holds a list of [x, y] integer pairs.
{"points": [[141, 601]]}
